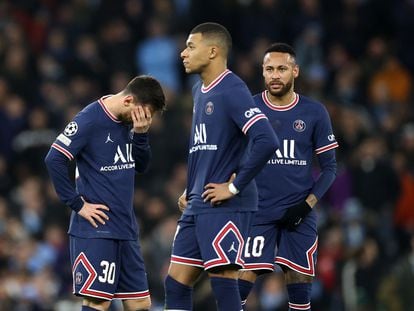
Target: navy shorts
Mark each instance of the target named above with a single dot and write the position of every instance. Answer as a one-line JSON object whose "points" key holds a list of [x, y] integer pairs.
{"points": [[269, 244], [211, 240], [108, 269]]}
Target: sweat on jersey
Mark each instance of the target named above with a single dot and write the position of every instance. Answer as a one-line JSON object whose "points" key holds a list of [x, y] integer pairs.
{"points": [[303, 128], [107, 155], [225, 119]]}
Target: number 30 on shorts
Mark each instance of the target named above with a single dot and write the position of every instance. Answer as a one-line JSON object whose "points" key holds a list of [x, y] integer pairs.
{"points": [[254, 246], [108, 272]]}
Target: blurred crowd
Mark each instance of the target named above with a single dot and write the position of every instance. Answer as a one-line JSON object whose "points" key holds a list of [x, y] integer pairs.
{"points": [[355, 56]]}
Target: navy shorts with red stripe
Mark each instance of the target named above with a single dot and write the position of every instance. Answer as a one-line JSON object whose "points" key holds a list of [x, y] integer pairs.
{"points": [[108, 269], [211, 240], [268, 244]]}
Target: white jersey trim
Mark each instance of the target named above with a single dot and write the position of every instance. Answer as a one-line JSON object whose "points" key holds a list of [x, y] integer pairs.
{"points": [[205, 89], [222, 259], [63, 150], [269, 104], [258, 266], [133, 295], [86, 288], [309, 270], [252, 121], [107, 112], [326, 148], [187, 261], [299, 306]]}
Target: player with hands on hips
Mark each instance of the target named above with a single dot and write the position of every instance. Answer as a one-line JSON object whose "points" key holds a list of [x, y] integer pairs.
{"points": [[215, 193], [217, 205], [142, 119], [109, 142], [286, 219]]}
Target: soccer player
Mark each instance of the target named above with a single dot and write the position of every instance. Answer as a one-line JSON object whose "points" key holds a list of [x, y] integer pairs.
{"points": [[286, 218], [108, 139], [212, 230]]}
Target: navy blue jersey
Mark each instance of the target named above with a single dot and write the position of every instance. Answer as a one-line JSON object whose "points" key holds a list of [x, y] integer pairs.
{"points": [[223, 113], [303, 128], [105, 170]]}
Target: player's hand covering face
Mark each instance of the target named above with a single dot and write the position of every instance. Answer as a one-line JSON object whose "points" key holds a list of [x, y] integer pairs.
{"points": [[141, 118], [196, 55]]}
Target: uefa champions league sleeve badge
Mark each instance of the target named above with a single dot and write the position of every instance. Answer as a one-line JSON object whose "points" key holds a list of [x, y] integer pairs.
{"points": [[71, 129]]}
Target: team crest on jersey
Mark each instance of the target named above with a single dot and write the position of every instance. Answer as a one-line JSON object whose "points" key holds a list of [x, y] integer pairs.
{"points": [[78, 278], [209, 108], [71, 129], [299, 125]]}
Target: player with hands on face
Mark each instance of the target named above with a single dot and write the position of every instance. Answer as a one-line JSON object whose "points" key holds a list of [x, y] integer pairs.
{"points": [[141, 121], [109, 142]]}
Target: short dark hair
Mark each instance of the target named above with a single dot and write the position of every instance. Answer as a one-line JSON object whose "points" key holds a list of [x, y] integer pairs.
{"points": [[281, 48], [217, 32], [147, 90]]}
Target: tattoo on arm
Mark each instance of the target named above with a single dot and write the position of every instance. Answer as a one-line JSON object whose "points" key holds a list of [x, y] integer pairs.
{"points": [[311, 200]]}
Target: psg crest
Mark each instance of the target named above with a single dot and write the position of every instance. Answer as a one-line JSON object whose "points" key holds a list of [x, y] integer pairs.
{"points": [[209, 108], [299, 125], [78, 278]]}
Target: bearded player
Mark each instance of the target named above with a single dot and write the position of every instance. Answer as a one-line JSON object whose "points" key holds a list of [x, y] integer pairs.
{"points": [[286, 219]]}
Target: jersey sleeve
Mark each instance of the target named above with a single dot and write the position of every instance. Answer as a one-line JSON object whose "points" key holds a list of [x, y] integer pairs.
{"points": [[323, 136], [141, 151], [325, 143], [327, 163], [57, 166], [242, 108], [74, 137], [65, 148], [262, 138]]}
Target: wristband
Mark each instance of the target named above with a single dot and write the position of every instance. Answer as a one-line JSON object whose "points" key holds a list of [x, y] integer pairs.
{"points": [[233, 189], [76, 204]]}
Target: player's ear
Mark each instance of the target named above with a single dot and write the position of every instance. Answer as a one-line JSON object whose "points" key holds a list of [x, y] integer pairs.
{"points": [[213, 52], [295, 71], [128, 100]]}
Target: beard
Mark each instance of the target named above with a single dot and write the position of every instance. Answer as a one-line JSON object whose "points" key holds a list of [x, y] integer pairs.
{"points": [[125, 119], [282, 91]]}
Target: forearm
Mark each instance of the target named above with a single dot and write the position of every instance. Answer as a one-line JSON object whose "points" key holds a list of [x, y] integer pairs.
{"points": [[264, 144], [327, 163], [141, 151], [57, 166]]}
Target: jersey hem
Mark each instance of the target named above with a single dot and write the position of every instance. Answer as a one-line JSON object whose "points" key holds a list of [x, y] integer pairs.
{"points": [[258, 266], [309, 270], [132, 295]]}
